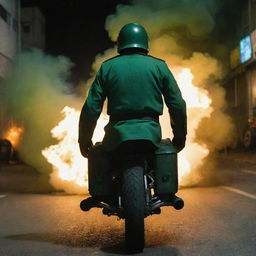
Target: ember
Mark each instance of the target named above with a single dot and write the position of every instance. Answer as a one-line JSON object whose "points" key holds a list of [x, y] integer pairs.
{"points": [[13, 134]]}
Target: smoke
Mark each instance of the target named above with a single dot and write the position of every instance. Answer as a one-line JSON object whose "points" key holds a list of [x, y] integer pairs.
{"points": [[181, 33], [33, 94], [36, 89], [195, 16]]}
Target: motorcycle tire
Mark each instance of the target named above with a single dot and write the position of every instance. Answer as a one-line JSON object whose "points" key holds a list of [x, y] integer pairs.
{"points": [[249, 138], [133, 190]]}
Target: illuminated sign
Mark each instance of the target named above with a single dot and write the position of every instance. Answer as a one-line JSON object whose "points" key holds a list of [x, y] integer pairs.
{"points": [[245, 49]]}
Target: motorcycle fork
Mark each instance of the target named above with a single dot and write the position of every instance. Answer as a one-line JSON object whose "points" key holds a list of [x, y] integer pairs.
{"points": [[149, 185]]}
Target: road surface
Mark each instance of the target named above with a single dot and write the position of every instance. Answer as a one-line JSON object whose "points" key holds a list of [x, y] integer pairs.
{"points": [[217, 220]]}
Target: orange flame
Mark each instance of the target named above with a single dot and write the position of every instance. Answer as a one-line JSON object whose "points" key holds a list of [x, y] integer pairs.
{"points": [[70, 168], [68, 164], [13, 134], [198, 107]]}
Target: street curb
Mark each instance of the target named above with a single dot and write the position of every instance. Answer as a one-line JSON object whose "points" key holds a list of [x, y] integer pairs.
{"points": [[242, 159], [23, 178]]}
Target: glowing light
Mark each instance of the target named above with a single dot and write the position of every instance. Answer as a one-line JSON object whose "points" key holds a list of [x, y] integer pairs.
{"points": [[71, 168], [198, 107], [194, 96], [68, 164], [13, 134]]}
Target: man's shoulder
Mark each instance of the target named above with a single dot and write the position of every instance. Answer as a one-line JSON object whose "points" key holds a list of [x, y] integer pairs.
{"points": [[119, 59], [111, 59], [155, 58]]}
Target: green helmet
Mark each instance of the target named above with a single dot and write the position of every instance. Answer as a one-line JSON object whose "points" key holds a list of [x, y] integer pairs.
{"points": [[132, 35]]}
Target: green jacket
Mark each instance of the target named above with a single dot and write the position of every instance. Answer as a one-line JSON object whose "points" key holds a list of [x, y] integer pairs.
{"points": [[132, 84]]}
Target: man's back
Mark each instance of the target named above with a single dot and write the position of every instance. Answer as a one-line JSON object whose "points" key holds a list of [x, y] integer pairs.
{"points": [[133, 84]]}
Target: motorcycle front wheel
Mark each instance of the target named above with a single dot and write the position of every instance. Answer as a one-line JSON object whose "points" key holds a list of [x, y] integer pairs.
{"points": [[133, 191]]}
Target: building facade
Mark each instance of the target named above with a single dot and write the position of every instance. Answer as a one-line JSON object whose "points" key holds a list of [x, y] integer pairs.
{"points": [[20, 28], [241, 80], [33, 28], [14, 37], [9, 33], [10, 43]]}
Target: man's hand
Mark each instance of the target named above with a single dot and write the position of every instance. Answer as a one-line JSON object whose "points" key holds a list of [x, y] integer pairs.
{"points": [[85, 148], [179, 143]]}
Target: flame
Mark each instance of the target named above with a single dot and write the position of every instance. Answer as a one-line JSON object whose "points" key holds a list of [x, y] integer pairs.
{"points": [[13, 134], [70, 168], [68, 164], [195, 97], [198, 107]]}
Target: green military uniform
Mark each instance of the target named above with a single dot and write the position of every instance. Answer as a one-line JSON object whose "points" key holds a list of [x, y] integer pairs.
{"points": [[134, 85]]}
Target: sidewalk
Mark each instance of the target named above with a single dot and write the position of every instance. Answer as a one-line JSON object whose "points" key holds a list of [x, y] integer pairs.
{"points": [[22, 178], [248, 157]]}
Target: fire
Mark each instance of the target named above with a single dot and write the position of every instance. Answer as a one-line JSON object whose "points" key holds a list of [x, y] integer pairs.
{"points": [[68, 164], [13, 134], [198, 107], [194, 96], [70, 168]]}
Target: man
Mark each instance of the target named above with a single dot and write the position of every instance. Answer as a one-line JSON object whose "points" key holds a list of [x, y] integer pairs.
{"points": [[133, 83]]}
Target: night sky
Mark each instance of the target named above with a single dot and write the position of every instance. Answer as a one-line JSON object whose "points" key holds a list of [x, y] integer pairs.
{"points": [[75, 28]]}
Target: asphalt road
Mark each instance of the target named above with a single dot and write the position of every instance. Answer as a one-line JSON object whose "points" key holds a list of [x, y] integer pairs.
{"points": [[216, 220]]}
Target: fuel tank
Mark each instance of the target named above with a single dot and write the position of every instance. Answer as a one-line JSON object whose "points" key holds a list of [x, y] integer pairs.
{"points": [[166, 168], [99, 171]]}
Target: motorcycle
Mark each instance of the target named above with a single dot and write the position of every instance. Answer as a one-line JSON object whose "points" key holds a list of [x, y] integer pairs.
{"points": [[137, 191]]}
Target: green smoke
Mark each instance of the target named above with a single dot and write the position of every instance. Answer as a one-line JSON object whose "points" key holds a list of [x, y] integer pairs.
{"points": [[33, 94], [183, 33]]}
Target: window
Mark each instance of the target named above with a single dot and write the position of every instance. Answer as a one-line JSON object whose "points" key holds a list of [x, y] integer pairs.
{"points": [[15, 25], [5, 15], [26, 27]]}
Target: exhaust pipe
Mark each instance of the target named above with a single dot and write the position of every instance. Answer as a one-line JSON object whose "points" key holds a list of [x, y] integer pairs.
{"points": [[178, 203], [87, 204], [174, 201]]}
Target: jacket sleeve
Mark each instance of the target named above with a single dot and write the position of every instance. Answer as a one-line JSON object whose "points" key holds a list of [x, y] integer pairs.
{"points": [[91, 109], [175, 103]]}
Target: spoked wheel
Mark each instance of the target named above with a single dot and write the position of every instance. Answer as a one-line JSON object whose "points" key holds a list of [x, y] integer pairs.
{"points": [[134, 208]]}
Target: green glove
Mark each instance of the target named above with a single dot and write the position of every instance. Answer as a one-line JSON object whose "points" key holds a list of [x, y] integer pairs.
{"points": [[179, 143], [85, 148]]}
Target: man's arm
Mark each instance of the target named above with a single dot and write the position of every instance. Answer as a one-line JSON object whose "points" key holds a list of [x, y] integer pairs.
{"points": [[177, 108], [90, 113]]}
